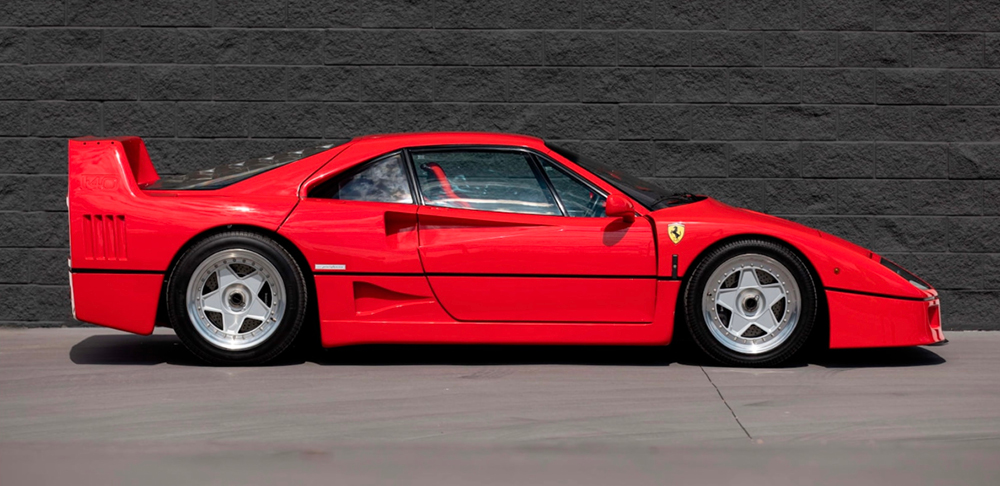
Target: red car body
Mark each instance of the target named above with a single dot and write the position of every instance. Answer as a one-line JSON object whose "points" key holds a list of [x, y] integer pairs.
{"points": [[410, 273]]}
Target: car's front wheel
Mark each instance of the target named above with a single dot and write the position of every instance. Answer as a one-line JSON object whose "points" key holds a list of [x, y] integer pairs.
{"points": [[236, 298], [751, 303]]}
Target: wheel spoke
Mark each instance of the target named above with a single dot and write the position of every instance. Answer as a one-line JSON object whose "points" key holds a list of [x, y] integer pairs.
{"points": [[772, 294], [727, 298], [212, 301], [258, 310], [231, 322], [766, 321], [748, 279], [254, 282], [226, 276], [738, 324]]}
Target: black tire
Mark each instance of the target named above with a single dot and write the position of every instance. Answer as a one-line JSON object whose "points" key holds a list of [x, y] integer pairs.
{"points": [[699, 327], [286, 329]]}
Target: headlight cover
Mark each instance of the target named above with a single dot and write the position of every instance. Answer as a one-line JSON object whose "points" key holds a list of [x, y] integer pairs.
{"points": [[902, 272]]}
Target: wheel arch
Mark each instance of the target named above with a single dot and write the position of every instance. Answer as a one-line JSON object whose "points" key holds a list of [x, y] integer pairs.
{"points": [[288, 245], [821, 328]]}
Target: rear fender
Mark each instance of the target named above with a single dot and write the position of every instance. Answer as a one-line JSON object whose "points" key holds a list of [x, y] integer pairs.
{"points": [[104, 176], [122, 238]]}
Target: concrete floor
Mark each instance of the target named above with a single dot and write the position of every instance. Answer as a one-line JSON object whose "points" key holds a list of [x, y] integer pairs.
{"points": [[90, 406]]}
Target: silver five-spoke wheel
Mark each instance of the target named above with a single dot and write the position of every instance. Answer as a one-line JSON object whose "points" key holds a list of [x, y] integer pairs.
{"points": [[236, 299], [751, 304]]}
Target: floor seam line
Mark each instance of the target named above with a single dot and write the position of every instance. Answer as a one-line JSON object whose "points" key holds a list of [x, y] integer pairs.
{"points": [[724, 402]]}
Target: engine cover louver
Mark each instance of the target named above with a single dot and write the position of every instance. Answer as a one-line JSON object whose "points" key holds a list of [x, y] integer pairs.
{"points": [[104, 236]]}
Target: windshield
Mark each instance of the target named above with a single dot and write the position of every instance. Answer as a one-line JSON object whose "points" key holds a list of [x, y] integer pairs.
{"points": [[649, 195]]}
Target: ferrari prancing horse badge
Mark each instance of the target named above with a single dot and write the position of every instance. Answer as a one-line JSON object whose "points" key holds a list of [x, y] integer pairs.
{"points": [[676, 231]]}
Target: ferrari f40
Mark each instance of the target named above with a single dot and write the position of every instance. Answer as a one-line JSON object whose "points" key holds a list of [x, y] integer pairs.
{"points": [[461, 238]]}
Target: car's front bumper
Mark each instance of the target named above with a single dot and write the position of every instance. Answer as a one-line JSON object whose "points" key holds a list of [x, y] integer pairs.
{"points": [[859, 320]]}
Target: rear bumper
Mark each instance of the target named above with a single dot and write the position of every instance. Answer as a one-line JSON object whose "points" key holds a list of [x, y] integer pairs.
{"points": [[871, 321], [125, 301]]}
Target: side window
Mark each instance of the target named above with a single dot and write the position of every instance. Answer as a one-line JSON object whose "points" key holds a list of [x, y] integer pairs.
{"points": [[578, 198], [485, 180], [384, 180]]}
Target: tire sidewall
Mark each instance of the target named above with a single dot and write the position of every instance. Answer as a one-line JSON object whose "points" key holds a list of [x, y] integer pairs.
{"points": [[694, 314], [295, 291]]}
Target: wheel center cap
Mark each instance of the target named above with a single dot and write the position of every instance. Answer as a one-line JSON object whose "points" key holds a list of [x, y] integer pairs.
{"points": [[751, 302], [237, 298]]}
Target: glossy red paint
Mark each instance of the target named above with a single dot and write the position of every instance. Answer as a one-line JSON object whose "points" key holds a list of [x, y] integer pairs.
{"points": [[456, 240], [150, 227], [119, 301], [464, 251], [709, 222], [866, 321], [618, 206], [410, 314], [546, 299], [365, 237], [376, 298], [400, 273]]}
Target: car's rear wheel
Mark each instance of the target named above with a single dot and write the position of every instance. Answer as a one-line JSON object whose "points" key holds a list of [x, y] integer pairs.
{"points": [[236, 298], [751, 303]]}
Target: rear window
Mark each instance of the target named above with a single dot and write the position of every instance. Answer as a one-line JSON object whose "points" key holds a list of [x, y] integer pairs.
{"points": [[231, 173]]}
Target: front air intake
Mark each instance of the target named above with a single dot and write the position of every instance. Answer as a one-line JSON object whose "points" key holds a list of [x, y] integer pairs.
{"points": [[104, 237]]}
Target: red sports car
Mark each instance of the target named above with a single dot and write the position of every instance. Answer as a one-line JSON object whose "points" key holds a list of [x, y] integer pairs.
{"points": [[460, 238]]}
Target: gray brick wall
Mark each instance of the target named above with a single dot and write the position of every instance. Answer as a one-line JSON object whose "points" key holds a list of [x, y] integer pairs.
{"points": [[876, 120]]}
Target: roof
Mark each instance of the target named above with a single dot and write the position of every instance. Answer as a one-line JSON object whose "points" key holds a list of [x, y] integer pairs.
{"points": [[450, 138]]}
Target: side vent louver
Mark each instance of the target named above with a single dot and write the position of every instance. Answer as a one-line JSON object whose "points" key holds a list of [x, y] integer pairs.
{"points": [[104, 236]]}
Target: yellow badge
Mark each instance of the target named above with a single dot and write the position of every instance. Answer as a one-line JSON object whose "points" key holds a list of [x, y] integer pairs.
{"points": [[676, 231]]}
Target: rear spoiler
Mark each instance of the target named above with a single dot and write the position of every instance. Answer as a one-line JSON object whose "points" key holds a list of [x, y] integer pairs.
{"points": [[105, 177], [109, 164]]}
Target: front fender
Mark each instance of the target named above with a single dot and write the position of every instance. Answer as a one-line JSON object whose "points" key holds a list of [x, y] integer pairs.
{"points": [[840, 265]]}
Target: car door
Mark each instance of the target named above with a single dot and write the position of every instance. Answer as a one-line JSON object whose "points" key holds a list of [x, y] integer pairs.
{"points": [[507, 236]]}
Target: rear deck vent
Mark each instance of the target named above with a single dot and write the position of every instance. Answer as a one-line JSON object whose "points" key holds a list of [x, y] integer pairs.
{"points": [[104, 237]]}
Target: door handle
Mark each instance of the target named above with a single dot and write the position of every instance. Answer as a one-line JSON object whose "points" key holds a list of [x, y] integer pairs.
{"points": [[399, 222]]}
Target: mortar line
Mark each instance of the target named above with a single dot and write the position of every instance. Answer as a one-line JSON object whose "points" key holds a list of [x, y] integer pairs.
{"points": [[724, 402]]}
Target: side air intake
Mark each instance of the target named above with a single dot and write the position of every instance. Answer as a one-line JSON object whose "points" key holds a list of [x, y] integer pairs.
{"points": [[104, 237]]}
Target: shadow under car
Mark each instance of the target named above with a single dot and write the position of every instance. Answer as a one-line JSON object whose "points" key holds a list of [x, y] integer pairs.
{"points": [[127, 349]]}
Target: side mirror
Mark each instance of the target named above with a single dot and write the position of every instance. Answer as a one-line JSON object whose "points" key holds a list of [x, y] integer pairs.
{"points": [[617, 206]]}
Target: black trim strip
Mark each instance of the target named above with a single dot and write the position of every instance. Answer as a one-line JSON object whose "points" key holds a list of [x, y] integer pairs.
{"points": [[411, 177], [537, 165], [366, 274], [116, 271], [390, 274], [495, 275], [873, 294]]}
